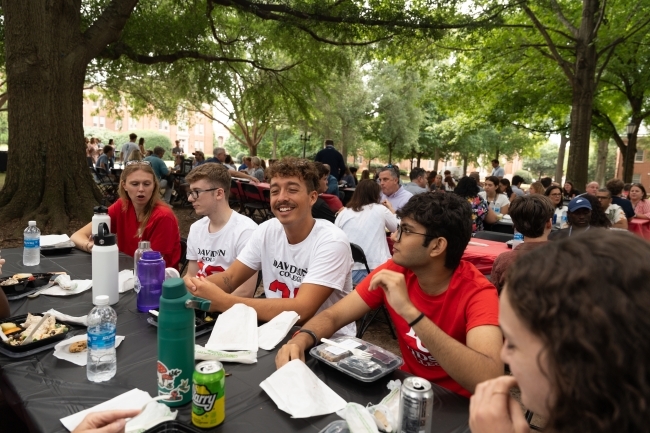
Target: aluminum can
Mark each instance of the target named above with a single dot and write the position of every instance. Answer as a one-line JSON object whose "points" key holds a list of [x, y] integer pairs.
{"points": [[415, 406], [208, 394]]}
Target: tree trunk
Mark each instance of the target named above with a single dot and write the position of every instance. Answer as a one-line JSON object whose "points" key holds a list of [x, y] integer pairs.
{"points": [[601, 161], [48, 179], [344, 142], [436, 156], [630, 155], [559, 168], [464, 165], [275, 142]]}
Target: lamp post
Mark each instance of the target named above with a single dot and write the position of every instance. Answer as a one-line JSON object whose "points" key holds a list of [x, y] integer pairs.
{"points": [[304, 138]]}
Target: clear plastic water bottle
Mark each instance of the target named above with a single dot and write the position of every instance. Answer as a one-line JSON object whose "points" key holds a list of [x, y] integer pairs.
{"points": [[142, 247], [31, 245], [102, 361], [497, 208], [563, 221], [519, 239]]}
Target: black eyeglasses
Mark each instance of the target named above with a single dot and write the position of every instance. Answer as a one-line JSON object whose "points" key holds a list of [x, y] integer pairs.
{"points": [[194, 193], [400, 230]]}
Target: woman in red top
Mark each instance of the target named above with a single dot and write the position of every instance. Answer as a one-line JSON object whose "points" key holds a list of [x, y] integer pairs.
{"points": [[139, 214]]}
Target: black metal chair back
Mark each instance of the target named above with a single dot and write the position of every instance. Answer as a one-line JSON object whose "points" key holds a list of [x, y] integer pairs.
{"points": [[183, 261], [359, 256]]}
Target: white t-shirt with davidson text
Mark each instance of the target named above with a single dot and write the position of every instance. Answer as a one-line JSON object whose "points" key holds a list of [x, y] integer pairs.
{"points": [[215, 252], [323, 258]]}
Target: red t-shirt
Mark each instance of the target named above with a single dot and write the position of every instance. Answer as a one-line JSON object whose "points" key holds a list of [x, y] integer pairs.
{"points": [[469, 301], [332, 201], [161, 231]]}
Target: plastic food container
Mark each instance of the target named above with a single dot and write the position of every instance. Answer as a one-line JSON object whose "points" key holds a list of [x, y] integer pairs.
{"points": [[336, 427], [365, 370]]}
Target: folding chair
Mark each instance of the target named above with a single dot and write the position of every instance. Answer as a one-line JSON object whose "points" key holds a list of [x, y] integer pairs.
{"points": [[106, 185], [183, 261], [494, 236], [360, 257], [255, 203], [236, 196]]}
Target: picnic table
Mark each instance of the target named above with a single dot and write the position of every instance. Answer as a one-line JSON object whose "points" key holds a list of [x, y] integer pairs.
{"points": [[640, 227]]}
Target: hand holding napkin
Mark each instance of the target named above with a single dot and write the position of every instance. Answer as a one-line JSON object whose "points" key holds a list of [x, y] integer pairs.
{"points": [[133, 399], [296, 390], [272, 332], [235, 329]]}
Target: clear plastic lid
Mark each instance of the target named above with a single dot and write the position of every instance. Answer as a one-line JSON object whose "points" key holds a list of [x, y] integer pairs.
{"points": [[101, 300], [379, 365]]}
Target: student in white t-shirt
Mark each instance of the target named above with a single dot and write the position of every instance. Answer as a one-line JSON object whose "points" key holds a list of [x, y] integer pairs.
{"points": [[498, 202], [216, 240], [306, 263]]}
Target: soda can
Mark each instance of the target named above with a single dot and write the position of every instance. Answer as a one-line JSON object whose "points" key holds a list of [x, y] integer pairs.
{"points": [[208, 394], [415, 406]]}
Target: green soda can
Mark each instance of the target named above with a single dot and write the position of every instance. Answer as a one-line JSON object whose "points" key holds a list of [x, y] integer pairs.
{"points": [[208, 394]]}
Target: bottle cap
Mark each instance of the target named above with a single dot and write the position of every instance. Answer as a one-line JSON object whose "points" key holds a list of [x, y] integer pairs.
{"points": [[101, 300], [100, 209], [151, 255], [104, 237], [144, 245], [173, 288], [32, 223]]}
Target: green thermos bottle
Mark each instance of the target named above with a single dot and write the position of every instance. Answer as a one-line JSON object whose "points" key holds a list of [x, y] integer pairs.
{"points": [[176, 341]]}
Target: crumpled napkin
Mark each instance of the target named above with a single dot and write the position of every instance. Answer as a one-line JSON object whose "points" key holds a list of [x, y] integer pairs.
{"points": [[272, 332], [125, 280], [358, 419], [133, 399], [81, 320], [65, 282], [235, 329], [241, 356], [61, 350], [82, 286], [153, 414], [296, 390]]}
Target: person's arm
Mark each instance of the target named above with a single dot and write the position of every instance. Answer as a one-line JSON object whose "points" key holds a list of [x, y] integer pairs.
{"points": [[493, 410], [83, 239], [468, 364], [308, 300], [192, 268], [622, 221], [490, 217], [390, 220], [112, 421], [242, 175], [324, 325], [247, 290], [644, 208]]}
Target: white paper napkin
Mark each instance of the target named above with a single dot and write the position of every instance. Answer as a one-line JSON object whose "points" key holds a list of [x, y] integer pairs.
{"points": [[133, 399], [49, 240], [296, 390], [125, 280], [61, 350], [272, 332], [241, 356], [82, 286], [81, 320], [235, 329]]}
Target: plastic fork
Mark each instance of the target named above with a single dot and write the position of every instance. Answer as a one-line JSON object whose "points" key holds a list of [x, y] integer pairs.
{"points": [[356, 352]]}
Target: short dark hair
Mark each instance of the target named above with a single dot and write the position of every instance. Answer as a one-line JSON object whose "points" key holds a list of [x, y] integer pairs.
{"points": [[467, 187], [353, 169], [393, 173], [588, 303], [642, 188], [495, 161], [530, 214], [432, 176], [615, 186], [444, 215], [301, 168], [322, 170], [548, 192], [493, 179], [108, 148], [598, 216], [158, 151], [416, 172], [546, 181], [329, 142], [133, 136], [216, 174], [517, 180], [607, 191], [367, 192]]}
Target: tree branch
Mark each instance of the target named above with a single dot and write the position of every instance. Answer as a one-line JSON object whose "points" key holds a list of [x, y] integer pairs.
{"points": [[331, 42], [601, 17], [563, 19], [107, 28], [622, 39]]}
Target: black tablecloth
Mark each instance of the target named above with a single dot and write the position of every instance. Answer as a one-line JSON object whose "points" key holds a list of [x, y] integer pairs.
{"points": [[43, 389]]}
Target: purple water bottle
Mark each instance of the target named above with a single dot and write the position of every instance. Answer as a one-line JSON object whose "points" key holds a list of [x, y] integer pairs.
{"points": [[151, 273]]}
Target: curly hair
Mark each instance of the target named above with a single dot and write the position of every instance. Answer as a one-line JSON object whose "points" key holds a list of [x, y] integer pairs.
{"points": [[444, 215], [588, 302], [467, 187], [298, 167]]}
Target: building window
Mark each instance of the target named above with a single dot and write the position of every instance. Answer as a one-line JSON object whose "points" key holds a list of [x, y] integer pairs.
{"points": [[198, 145], [96, 102], [95, 121], [102, 121], [182, 127], [118, 125], [164, 125], [639, 155], [133, 123], [198, 129], [636, 178], [429, 164]]}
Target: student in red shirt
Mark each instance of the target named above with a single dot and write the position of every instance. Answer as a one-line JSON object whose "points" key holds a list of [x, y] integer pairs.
{"points": [[139, 215], [444, 310]]}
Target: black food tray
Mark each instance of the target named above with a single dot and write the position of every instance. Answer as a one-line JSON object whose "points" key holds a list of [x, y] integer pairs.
{"points": [[33, 347], [172, 427], [202, 327], [62, 248], [25, 286]]}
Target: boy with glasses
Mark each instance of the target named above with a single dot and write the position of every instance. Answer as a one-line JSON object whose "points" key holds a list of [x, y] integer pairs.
{"points": [[444, 310], [306, 262], [613, 211], [214, 242]]}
